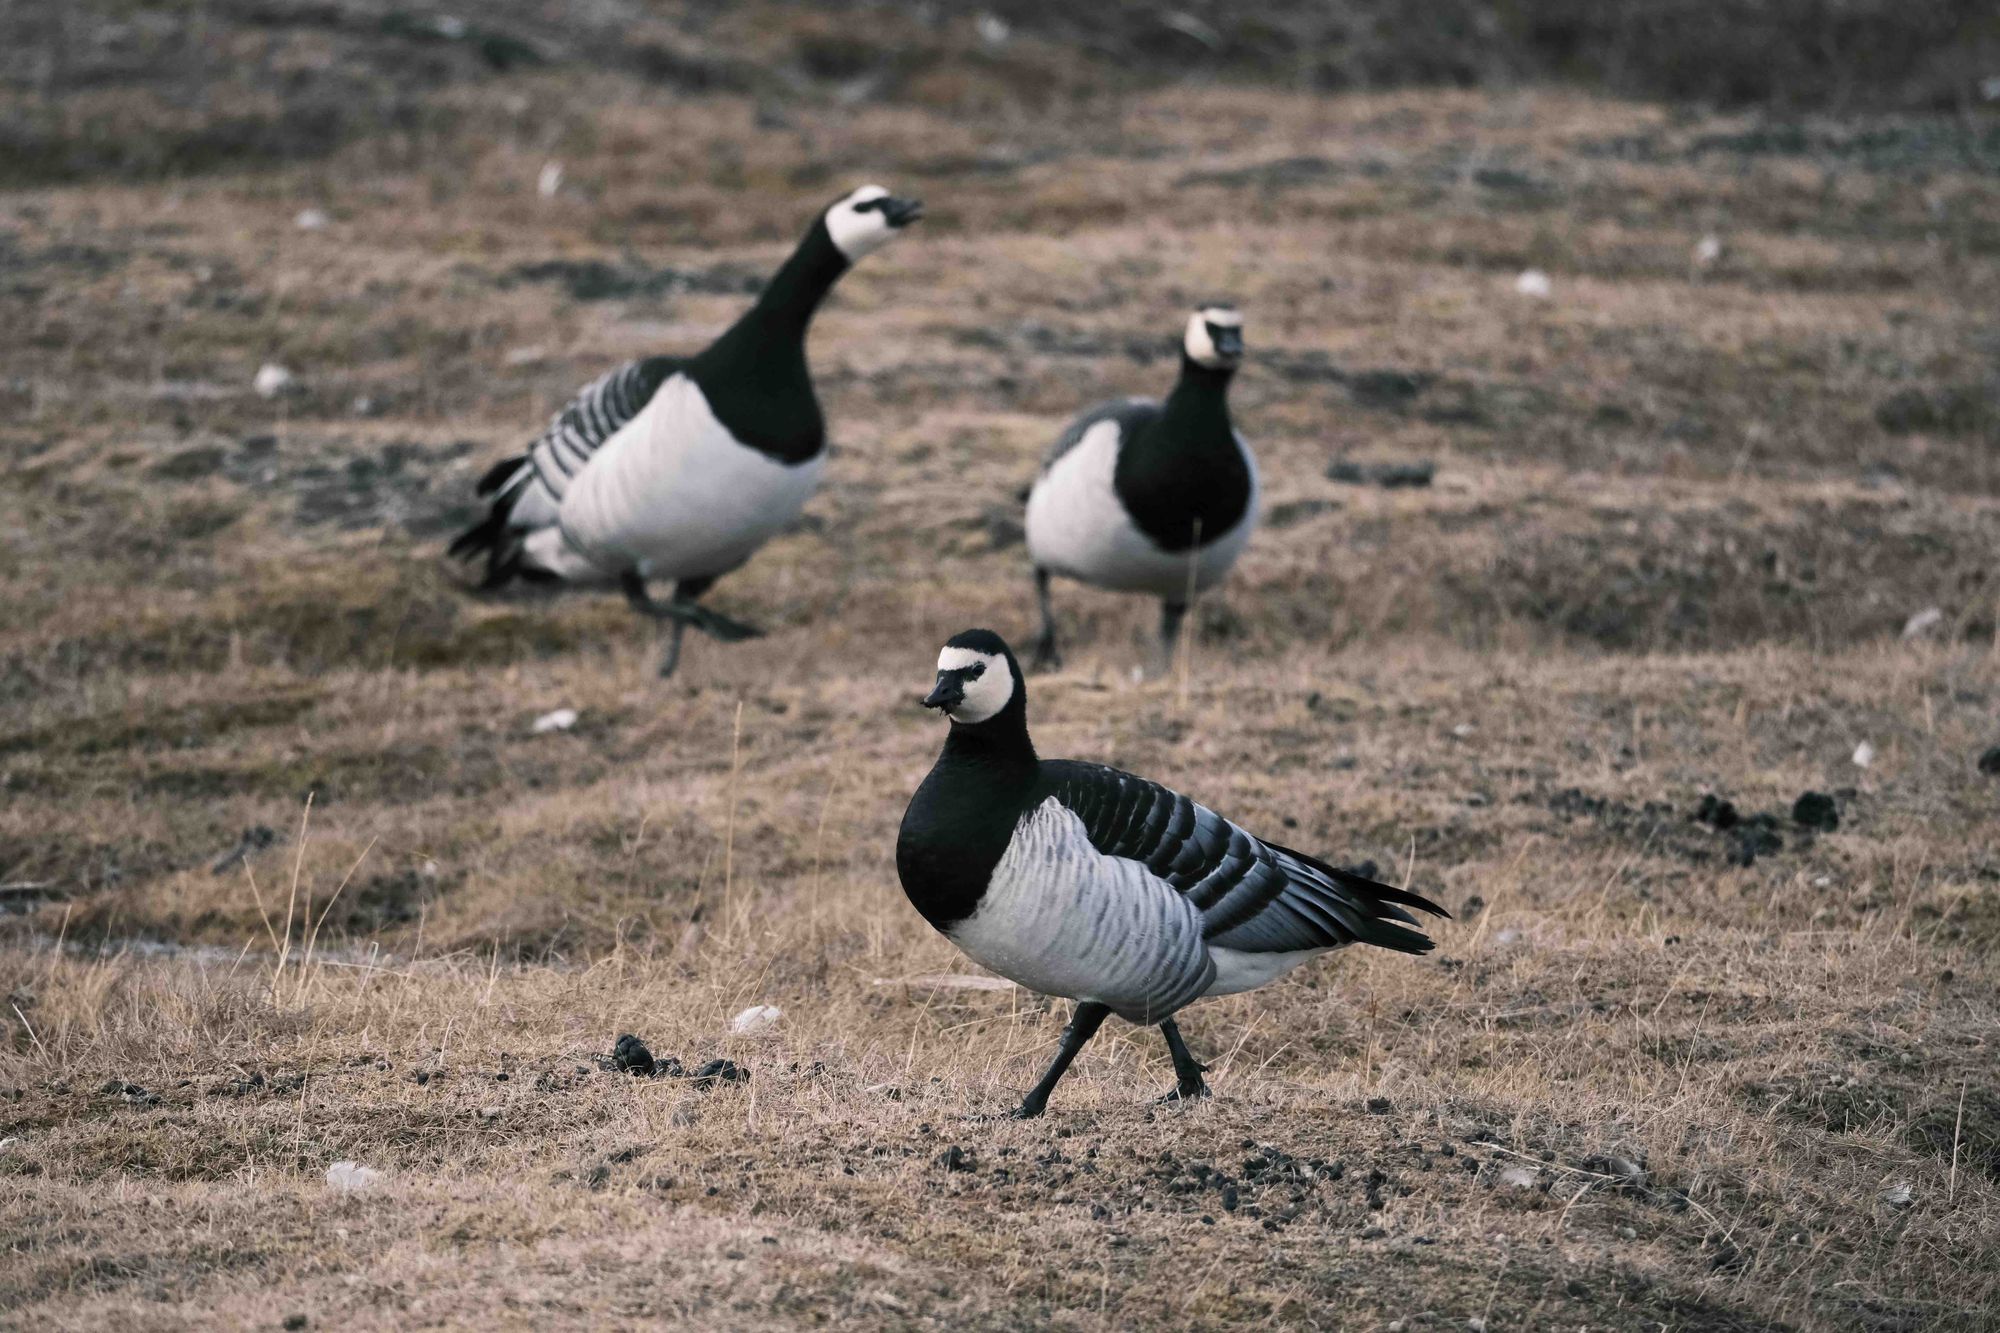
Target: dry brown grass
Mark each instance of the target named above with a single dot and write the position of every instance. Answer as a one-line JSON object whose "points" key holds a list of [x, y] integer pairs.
{"points": [[1679, 519]]}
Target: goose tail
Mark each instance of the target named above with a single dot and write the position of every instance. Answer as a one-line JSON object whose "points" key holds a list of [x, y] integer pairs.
{"points": [[1375, 913], [494, 538]]}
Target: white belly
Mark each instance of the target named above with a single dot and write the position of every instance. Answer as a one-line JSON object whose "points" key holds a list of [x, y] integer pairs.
{"points": [[1077, 527], [673, 494], [1237, 971], [1061, 918]]}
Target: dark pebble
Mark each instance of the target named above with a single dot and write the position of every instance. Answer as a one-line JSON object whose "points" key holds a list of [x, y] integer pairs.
{"points": [[1717, 813], [1816, 810], [1989, 763], [630, 1054], [719, 1071], [956, 1158], [1380, 1106]]}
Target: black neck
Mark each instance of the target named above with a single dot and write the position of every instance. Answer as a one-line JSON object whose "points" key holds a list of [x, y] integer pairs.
{"points": [[962, 818], [1196, 413], [1000, 741], [755, 376], [795, 291], [1183, 479]]}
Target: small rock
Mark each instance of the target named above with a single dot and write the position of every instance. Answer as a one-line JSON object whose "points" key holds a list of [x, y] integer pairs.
{"points": [[10, 1142], [1519, 1177], [1864, 755], [1707, 250], [994, 30], [719, 1071], [1816, 810], [562, 719], [956, 1158], [311, 219], [1380, 1106], [549, 182], [350, 1177], [295, 1321], [1898, 1195], [1628, 1233], [1628, 1173], [1922, 623], [1476, 1324], [630, 1054], [1989, 763], [1717, 813], [1533, 282], [755, 1019], [272, 380], [489, 1113]]}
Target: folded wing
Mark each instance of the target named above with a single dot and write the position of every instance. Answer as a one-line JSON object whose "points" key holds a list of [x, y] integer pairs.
{"points": [[1254, 896]]}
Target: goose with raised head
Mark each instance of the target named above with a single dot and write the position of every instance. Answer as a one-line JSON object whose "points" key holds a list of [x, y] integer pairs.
{"points": [[679, 468]]}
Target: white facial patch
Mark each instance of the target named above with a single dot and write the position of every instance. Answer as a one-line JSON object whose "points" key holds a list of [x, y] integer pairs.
{"points": [[1199, 345], [986, 694], [856, 232]]}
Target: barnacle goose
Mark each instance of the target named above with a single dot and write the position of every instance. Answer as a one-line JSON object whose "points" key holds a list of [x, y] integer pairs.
{"points": [[681, 467], [1079, 880], [1145, 496]]}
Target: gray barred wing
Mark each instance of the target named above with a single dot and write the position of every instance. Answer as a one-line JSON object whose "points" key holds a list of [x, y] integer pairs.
{"points": [[1253, 896], [604, 406]]}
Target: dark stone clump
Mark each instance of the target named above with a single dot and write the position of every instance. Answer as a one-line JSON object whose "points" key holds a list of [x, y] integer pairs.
{"points": [[1816, 810], [1989, 763], [713, 1073], [1717, 813], [631, 1055]]}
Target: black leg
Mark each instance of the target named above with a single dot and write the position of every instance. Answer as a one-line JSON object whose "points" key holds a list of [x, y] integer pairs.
{"points": [[1046, 656], [1171, 615], [1083, 1025], [1187, 1070], [682, 611]]}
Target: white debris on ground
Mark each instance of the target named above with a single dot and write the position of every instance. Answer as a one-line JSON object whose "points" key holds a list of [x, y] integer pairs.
{"points": [[1533, 282], [562, 719], [755, 1019], [1922, 623], [550, 181], [349, 1177], [311, 219], [994, 30], [1898, 1195], [1519, 1177], [1707, 250], [1864, 755], [272, 380]]}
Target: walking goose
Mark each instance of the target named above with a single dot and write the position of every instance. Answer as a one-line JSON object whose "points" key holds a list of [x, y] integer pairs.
{"points": [[679, 468], [1151, 497], [1078, 880]]}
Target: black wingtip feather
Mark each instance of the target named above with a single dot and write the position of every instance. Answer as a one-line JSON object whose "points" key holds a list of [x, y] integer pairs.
{"points": [[1380, 893], [491, 536], [499, 474]]}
